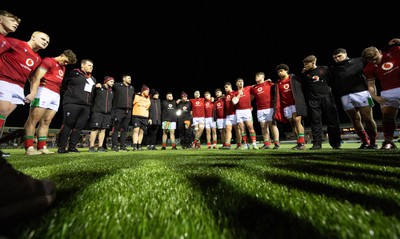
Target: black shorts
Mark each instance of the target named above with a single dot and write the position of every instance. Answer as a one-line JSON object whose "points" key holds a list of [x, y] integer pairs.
{"points": [[140, 122], [100, 121]]}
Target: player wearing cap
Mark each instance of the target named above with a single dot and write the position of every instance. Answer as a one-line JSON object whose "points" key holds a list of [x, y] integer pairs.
{"points": [[100, 119], [140, 116]]}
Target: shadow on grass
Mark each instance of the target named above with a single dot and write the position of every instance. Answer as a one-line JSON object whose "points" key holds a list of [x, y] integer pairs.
{"points": [[385, 205], [378, 158], [246, 216], [381, 178]]}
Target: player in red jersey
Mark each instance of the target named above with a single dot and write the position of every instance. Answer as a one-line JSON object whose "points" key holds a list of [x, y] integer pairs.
{"points": [[263, 93], [244, 113], [385, 67], [198, 117], [290, 104], [219, 108], [47, 79], [231, 120], [17, 63], [210, 124]]}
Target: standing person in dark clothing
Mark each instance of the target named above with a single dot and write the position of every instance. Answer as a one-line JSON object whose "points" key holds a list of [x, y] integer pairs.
{"points": [[155, 116], [79, 87], [350, 83], [185, 121], [101, 113], [168, 111], [316, 80], [122, 113]]}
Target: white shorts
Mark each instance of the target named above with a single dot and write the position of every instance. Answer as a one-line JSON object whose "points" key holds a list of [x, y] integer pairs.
{"points": [[393, 96], [265, 115], [288, 111], [198, 120], [221, 123], [230, 120], [168, 125], [358, 99], [210, 123], [244, 115], [47, 99], [12, 93]]}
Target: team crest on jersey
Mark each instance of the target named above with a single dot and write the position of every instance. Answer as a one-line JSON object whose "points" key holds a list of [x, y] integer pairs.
{"points": [[219, 104], [259, 89], [197, 102], [387, 66], [286, 86], [315, 78], [60, 72], [228, 97], [29, 62]]}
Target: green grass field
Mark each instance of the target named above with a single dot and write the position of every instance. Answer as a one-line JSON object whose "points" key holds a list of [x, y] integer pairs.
{"points": [[346, 193]]}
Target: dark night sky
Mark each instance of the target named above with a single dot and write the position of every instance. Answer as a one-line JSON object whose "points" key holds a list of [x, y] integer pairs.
{"points": [[198, 46]]}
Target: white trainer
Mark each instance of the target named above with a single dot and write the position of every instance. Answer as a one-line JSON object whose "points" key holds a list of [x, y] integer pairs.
{"points": [[44, 150], [32, 151], [255, 146]]}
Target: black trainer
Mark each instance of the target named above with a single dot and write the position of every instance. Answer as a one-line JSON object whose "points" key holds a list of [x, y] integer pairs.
{"points": [[299, 146], [101, 149], [265, 147], [375, 146], [316, 147], [62, 151], [115, 148], [73, 150], [363, 146]]}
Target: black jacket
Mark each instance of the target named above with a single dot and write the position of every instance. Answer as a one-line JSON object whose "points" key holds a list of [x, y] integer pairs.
{"points": [[123, 96], [155, 111], [103, 100], [77, 87], [348, 76]]}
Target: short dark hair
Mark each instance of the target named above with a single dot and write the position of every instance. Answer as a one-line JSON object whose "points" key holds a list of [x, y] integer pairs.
{"points": [[338, 51], [309, 59], [71, 56], [238, 79], [9, 14], [282, 67]]}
